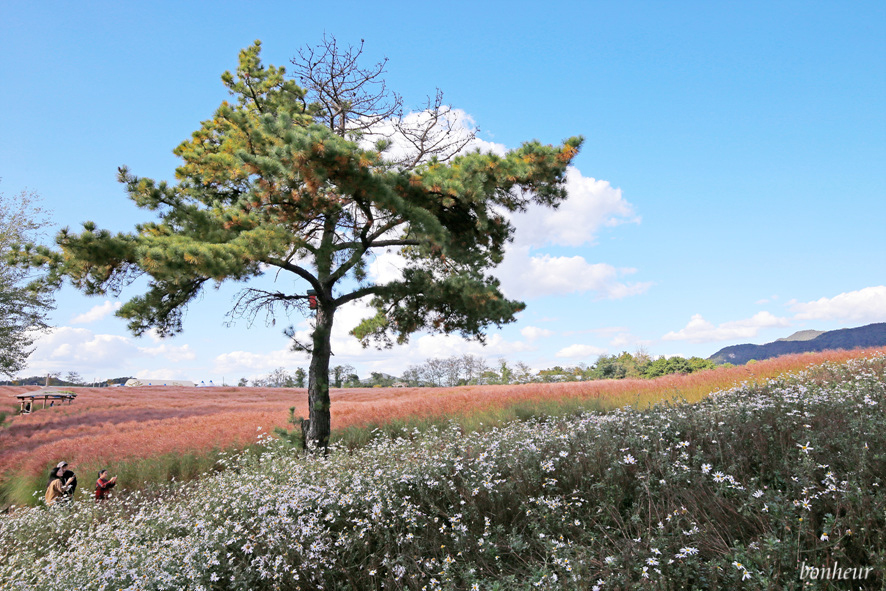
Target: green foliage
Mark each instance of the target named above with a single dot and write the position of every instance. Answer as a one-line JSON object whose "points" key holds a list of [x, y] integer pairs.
{"points": [[381, 380], [299, 377], [23, 304], [280, 378], [663, 366]]}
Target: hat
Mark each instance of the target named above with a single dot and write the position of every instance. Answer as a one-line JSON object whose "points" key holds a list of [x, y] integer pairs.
{"points": [[62, 464]]}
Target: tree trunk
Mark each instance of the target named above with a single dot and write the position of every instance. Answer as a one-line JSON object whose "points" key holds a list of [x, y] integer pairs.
{"points": [[317, 428]]}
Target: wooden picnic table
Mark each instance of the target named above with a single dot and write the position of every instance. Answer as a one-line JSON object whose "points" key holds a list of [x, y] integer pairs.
{"points": [[27, 400]]}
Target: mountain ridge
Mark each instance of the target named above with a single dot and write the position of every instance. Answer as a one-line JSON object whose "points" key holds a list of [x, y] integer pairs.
{"points": [[871, 335]]}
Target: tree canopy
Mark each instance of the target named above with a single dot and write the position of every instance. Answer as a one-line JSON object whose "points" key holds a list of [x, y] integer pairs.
{"points": [[276, 182], [23, 306]]}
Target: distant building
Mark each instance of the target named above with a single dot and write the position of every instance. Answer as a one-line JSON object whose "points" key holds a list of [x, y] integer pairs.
{"points": [[135, 382]]}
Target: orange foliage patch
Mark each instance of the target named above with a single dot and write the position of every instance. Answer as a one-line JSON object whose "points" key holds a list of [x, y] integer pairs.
{"points": [[105, 425]]}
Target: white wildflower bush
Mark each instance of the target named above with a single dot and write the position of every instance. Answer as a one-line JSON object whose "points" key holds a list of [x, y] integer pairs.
{"points": [[736, 491]]}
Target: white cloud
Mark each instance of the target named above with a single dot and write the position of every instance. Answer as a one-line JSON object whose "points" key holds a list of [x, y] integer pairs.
{"points": [[766, 300], [182, 353], [592, 204], [440, 345], [626, 339], [158, 374], [573, 351], [386, 267], [864, 305], [246, 361], [454, 125], [97, 313], [67, 348], [532, 333], [621, 340], [699, 330], [526, 277]]}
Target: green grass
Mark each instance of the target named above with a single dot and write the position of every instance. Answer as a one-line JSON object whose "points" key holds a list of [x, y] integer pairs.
{"points": [[5, 415], [149, 475], [358, 436]]}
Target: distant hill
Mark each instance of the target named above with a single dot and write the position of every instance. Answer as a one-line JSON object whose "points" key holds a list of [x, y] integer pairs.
{"points": [[803, 335], [872, 335]]}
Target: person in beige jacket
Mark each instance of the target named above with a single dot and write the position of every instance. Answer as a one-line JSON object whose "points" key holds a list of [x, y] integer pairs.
{"points": [[57, 491], [62, 483]]}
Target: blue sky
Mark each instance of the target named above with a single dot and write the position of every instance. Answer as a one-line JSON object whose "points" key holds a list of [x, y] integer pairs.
{"points": [[730, 190]]}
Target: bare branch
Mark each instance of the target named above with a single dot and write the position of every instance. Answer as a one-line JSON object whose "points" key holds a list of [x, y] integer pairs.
{"points": [[249, 303], [354, 99], [434, 132]]}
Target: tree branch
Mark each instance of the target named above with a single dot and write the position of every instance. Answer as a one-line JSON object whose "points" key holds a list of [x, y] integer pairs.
{"points": [[300, 271], [357, 294], [250, 302]]}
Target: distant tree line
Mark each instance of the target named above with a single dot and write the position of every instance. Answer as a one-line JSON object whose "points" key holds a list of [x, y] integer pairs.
{"points": [[340, 376], [458, 370], [625, 365], [470, 369], [72, 378]]}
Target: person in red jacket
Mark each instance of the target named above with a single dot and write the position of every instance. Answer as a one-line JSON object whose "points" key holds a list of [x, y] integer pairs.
{"points": [[103, 485]]}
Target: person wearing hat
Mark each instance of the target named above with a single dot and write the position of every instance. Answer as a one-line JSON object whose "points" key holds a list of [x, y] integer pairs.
{"points": [[62, 484]]}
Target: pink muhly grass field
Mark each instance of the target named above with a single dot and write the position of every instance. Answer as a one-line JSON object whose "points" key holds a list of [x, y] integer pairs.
{"points": [[108, 425]]}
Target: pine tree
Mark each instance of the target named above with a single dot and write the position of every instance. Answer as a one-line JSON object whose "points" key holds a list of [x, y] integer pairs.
{"points": [[284, 178]]}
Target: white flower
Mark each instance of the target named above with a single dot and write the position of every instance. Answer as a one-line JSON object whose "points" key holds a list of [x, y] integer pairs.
{"points": [[805, 448], [629, 459], [705, 468]]}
